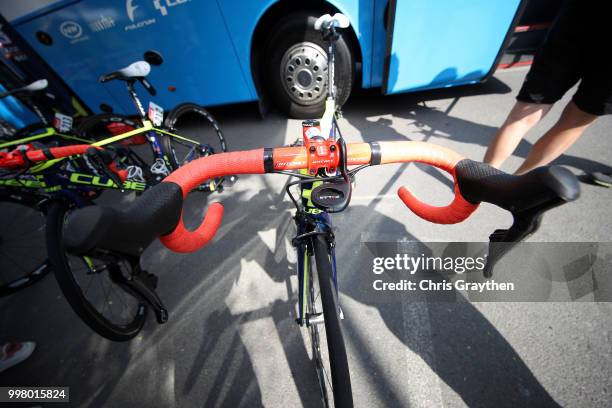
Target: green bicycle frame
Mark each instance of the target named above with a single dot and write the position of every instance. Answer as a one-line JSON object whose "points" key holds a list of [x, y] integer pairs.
{"points": [[147, 126], [48, 132]]}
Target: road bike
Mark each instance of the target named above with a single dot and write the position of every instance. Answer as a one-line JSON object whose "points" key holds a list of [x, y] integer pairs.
{"points": [[22, 242], [169, 146], [30, 188], [325, 168]]}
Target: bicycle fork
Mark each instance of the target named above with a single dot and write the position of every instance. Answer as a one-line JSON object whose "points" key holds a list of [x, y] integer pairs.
{"points": [[302, 242]]}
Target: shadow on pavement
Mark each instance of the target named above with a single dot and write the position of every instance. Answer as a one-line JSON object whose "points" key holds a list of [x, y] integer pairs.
{"points": [[456, 341], [200, 357]]}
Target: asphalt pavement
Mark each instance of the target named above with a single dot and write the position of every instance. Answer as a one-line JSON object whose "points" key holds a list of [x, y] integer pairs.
{"points": [[232, 341]]}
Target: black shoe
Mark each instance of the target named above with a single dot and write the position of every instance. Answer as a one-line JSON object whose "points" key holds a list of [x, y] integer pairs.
{"points": [[603, 179]]}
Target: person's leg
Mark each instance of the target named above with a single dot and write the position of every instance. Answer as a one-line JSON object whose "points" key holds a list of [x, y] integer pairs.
{"points": [[522, 117], [553, 72], [559, 138]]}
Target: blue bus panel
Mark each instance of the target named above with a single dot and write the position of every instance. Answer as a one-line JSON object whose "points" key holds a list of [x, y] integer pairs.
{"points": [[91, 38], [207, 44], [446, 42]]}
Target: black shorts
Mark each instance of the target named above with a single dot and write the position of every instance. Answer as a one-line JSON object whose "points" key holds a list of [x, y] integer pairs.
{"points": [[574, 50]]}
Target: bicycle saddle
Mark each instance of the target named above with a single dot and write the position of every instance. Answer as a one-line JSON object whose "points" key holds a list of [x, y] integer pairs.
{"points": [[33, 87], [326, 21], [134, 71]]}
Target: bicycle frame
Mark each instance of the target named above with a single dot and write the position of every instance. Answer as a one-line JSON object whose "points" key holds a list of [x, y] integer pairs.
{"points": [[62, 178], [45, 133], [147, 128], [72, 186]]}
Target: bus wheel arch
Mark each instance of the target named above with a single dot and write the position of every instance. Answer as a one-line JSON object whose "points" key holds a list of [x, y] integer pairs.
{"points": [[286, 30]]}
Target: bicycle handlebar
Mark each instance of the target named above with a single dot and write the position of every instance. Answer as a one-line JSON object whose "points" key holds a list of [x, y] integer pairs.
{"points": [[19, 158], [158, 212], [101, 158], [261, 161]]}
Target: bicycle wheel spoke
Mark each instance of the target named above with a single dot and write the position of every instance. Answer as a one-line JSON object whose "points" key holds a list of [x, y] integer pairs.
{"points": [[91, 279], [329, 384], [114, 301], [110, 300], [104, 297], [14, 262]]}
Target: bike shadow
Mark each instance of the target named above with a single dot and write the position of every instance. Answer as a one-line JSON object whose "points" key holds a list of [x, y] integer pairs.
{"points": [[234, 300], [456, 340], [241, 284], [453, 337]]}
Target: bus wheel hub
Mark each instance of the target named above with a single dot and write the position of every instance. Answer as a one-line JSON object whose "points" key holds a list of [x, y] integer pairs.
{"points": [[304, 73]]}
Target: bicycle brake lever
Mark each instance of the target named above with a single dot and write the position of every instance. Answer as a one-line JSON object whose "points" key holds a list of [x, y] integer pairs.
{"points": [[101, 160], [525, 223], [501, 241]]}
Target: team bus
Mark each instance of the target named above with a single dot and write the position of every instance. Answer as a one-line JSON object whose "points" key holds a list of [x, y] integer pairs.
{"points": [[218, 52]]}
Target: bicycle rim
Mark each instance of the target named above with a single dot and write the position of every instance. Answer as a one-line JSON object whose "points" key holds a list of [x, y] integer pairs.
{"points": [[90, 285], [196, 123], [327, 342], [23, 254]]}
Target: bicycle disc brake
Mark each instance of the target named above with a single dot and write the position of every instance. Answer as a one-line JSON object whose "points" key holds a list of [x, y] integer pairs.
{"points": [[159, 167], [135, 174]]}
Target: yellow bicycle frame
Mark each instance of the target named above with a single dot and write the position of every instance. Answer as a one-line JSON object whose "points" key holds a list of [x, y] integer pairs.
{"points": [[146, 127]]}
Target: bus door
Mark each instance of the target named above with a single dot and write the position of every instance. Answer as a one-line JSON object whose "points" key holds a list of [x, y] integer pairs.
{"points": [[441, 43]]}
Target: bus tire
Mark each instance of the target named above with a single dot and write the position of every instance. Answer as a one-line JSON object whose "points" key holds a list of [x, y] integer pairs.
{"points": [[295, 54]]}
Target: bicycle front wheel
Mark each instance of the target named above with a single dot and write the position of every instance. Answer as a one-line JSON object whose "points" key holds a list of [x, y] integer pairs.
{"points": [[323, 320], [23, 255], [93, 286]]}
